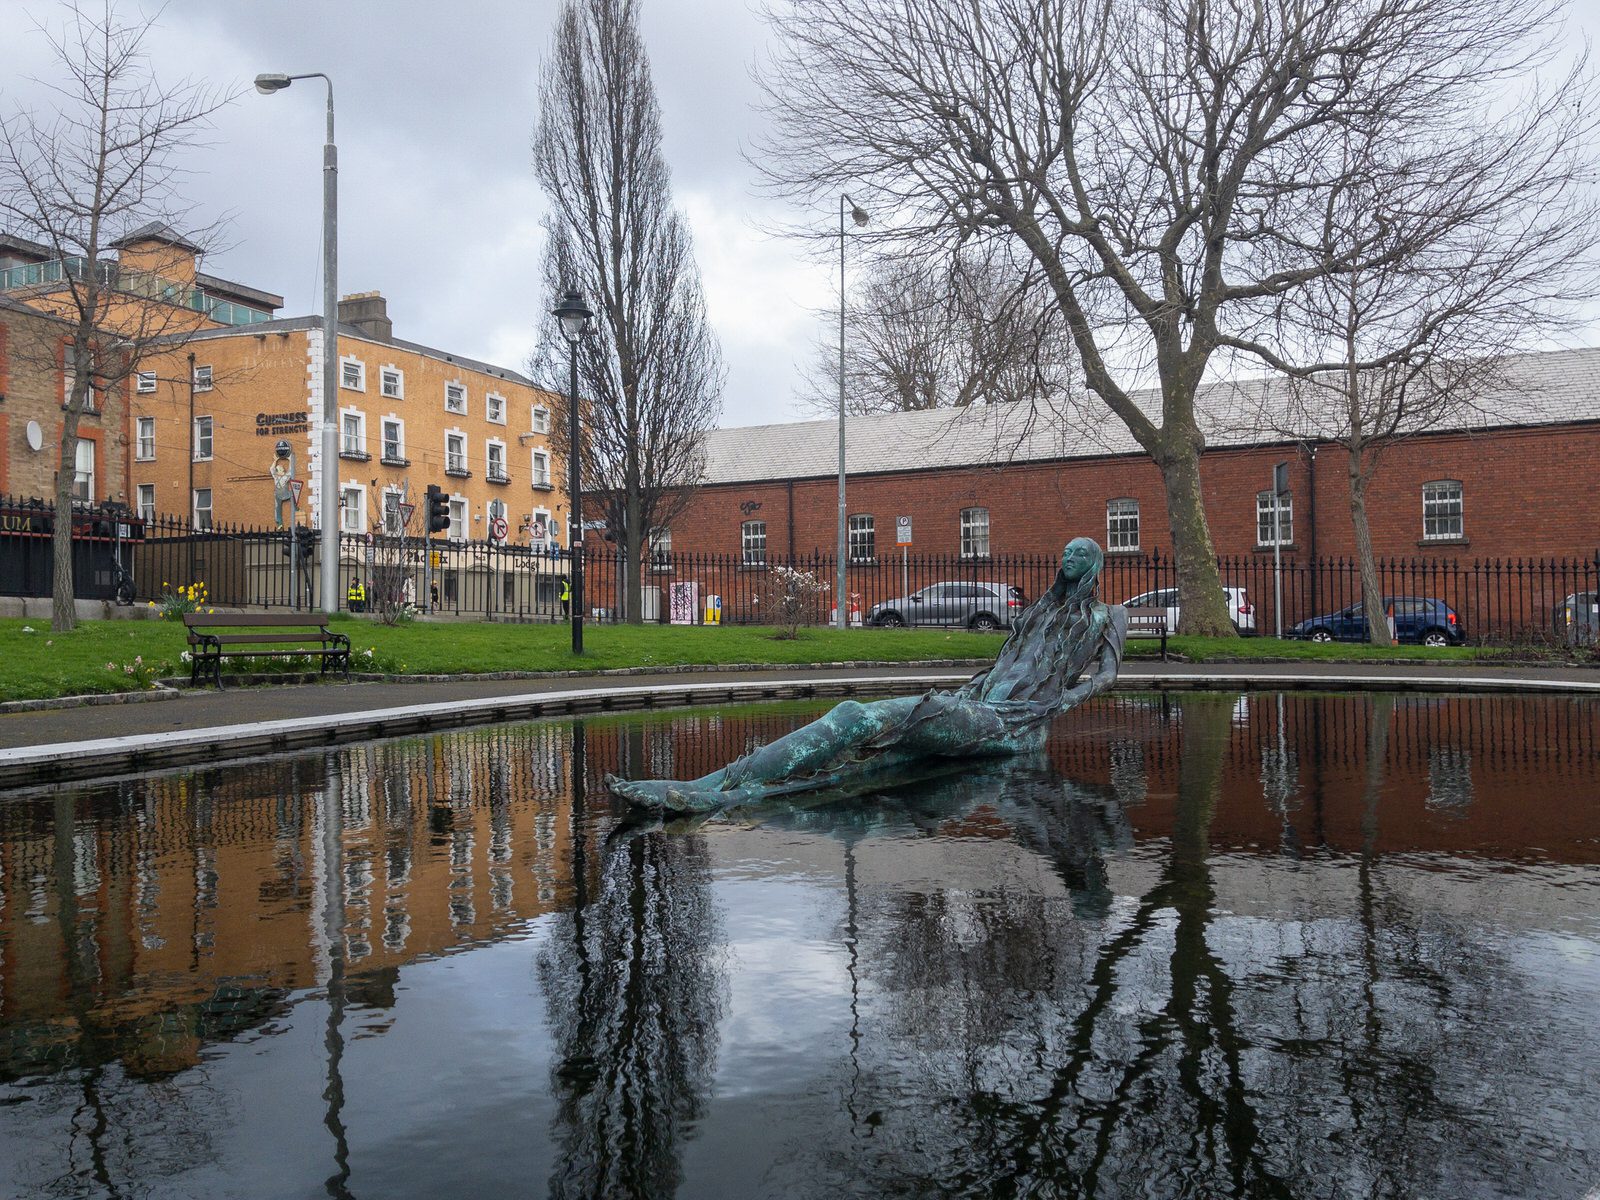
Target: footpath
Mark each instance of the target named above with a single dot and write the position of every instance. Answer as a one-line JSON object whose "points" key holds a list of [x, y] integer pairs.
{"points": [[205, 725]]}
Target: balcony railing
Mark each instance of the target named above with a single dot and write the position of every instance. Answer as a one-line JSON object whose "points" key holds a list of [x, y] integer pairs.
{"points": [[497, 475]]}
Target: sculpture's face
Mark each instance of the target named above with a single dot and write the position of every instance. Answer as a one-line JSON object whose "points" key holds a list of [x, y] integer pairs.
{"points": [[1081, 557]]}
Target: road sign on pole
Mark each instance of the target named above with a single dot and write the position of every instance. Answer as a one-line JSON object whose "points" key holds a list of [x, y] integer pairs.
{"points": [[294, 486], [405, 513], [498, 528], [902, 531]]}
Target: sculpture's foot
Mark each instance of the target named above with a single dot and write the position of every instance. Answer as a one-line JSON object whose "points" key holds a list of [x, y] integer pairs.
{"points": [[672, 795]]}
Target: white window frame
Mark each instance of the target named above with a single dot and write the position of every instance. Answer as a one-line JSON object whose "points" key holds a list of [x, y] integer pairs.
{"points": [[82, 480], [195, 510], [144, 382], [1264, 519], [145, 501], [209, 452], [753, 543], [460, 516], [352, 519], [862, 538], [391, 512], [350, 360], [489, 447], [144, 439], [540, 466], [457, 387], [1439, 496], [539, 421], [974, 533], [550, 530], [455, 462], [1122, 519], [384, 422], [390, 374], [659, 548], [494, 408], [91, 402], [360, 444], [204, 380]]}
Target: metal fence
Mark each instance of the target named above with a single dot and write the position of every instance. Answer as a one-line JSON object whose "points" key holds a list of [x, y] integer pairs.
{"points": [[1496, 600]]}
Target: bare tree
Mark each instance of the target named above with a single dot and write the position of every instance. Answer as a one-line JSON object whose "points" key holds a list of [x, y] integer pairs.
{"points": [[972, 330], [98, 165], [1162, 163], [1482, 247], [650, 371]]}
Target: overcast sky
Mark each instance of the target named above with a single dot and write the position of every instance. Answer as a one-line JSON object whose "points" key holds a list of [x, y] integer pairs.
{"points": [[438, 207]]}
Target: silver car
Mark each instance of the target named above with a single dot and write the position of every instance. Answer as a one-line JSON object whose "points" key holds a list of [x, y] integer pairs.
{"points": [[984, 604]]}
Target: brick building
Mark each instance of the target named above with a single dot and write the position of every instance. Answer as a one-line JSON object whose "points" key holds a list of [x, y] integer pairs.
{"points": [[193, 432], [34, 385], [986, 482]]}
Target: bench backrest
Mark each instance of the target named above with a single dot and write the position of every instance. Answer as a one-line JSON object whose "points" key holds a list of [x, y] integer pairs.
{"points": [[1147, 618], [255, 620]]}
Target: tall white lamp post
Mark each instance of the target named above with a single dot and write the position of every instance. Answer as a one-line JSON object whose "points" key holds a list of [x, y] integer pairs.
{"points": [[329, 470], [841, 613]]}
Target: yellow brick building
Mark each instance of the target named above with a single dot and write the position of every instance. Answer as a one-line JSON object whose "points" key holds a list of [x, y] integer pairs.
{"points": [[207, 417]]}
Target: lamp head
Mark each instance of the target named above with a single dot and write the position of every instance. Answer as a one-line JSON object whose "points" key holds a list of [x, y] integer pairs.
{"points": [[858, 214], [573, 314], [267, 84]]}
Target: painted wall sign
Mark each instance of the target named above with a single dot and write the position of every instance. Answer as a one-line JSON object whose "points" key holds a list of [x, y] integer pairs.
{"points": [[278, 424]]}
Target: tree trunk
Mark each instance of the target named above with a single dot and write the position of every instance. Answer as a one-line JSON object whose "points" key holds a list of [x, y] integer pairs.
{"points": [[633, 547], [1371, 585], [1203, 608], [63, 614]]}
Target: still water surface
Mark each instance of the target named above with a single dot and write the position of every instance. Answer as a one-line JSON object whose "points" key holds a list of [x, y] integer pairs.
{"points": [[1253, 945]]}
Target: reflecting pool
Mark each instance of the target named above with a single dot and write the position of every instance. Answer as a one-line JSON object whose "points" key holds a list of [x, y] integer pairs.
{"points": [[1222, 945]]}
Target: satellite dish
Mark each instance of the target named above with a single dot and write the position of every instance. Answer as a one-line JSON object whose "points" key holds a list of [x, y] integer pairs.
{"points": [[35, 436]]}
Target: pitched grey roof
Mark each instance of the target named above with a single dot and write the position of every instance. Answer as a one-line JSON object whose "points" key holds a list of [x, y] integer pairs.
{"points": [[157, 231], [1553, 388]]}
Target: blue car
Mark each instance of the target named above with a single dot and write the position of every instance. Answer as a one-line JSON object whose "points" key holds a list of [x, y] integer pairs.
{"points": [[1416, 619]]}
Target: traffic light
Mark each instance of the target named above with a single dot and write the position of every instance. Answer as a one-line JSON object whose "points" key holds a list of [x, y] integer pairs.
{"points": [[307, 539], [438, 509]]}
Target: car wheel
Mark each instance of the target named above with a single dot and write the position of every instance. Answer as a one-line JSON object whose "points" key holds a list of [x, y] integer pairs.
{"points": [[1435, 637], [892, 621], [1321, 635], [984, 622]]}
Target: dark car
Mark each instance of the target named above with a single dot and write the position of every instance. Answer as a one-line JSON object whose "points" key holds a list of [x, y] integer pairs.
{"points": [[982, 605], [1576, 619], [1416, 619]]}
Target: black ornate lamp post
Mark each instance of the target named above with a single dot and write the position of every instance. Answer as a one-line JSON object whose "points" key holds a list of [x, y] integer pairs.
{"points": [[574, 316]]}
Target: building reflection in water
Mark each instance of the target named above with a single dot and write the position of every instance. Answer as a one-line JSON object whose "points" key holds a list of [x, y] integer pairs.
{"points": [[1241, 961]]}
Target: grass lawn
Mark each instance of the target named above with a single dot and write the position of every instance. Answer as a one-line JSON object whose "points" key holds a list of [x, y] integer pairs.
{"points": [[40, 664]]}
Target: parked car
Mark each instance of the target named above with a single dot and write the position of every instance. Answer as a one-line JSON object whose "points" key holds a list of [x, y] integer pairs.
{"points": [[981, 605], [1576, 619], [1240, 610], [1416, 619]]}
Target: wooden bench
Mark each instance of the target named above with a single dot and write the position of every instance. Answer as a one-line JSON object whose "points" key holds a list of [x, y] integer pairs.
{"points": [[216, 636], [1149, 622]]}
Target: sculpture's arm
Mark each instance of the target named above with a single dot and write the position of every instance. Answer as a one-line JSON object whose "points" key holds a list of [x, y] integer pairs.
{"points": [[1106, 665]]}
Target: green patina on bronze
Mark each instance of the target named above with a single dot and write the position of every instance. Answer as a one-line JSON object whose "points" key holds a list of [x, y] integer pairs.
{"points": [[1064, 648]]}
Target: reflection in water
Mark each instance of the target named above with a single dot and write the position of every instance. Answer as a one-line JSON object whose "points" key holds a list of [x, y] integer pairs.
{"points": [[1293, 945]]}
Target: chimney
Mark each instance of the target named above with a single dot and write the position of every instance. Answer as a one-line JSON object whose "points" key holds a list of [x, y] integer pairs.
{"points": [[368, 312]]}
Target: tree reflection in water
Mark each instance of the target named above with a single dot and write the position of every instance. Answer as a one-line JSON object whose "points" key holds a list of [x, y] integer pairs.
{"points": [[634, 989]]}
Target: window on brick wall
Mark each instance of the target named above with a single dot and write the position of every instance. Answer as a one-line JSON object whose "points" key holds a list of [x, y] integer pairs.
{"points": [[1443, 513], [1264, 519], [1122, 524], [145, 443], [753, 541], [974, 533], [202, 439], [863, 538], [147, 501], [661, 548]]}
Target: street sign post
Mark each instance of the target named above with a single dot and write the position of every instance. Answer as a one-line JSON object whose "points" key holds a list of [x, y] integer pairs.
{"points": [[498, 528], [902, 538]]}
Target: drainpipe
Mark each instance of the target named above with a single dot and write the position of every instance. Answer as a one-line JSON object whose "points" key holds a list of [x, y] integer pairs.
{"points": [[1311, 512]]}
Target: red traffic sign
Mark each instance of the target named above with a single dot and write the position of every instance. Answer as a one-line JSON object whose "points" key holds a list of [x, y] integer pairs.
{"points": [[498, 529], [294, 486], [405, 512]]}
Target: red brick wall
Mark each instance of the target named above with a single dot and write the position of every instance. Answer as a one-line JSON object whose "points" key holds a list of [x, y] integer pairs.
{"points": [[1526, 492]]}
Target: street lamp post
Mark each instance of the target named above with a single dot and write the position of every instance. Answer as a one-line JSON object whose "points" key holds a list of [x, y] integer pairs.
{"points": [[840, 587], [574, 316], [329, 469]]}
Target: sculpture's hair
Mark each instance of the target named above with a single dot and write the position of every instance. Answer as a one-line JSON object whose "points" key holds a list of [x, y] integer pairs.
{"points": [[1078, 601]]}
